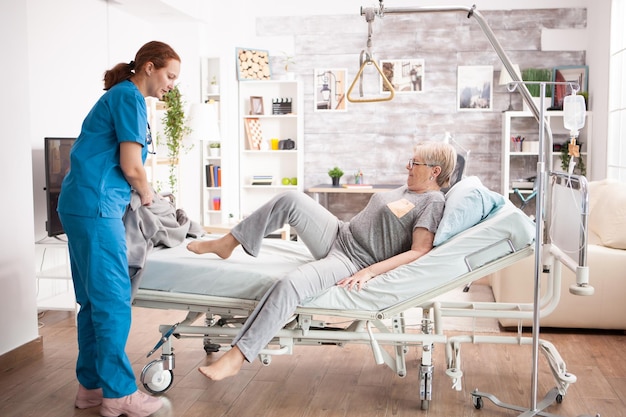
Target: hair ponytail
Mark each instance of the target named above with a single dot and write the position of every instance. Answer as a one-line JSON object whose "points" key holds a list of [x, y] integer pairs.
{"points": [[158, 53]]}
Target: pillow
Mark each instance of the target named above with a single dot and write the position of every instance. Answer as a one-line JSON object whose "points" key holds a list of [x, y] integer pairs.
{"points": [[607, 212], [467, 203]]}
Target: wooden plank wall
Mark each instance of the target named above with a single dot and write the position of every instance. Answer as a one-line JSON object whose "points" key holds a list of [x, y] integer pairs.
{"points": [[378, 137]]}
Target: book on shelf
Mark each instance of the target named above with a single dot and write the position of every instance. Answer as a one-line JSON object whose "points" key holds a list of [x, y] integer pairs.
{"points": [[357, 186], [262, 179], [213, 175]]}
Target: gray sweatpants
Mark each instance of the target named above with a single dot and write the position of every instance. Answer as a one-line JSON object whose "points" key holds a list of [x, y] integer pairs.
{"points": [[318, 229]]}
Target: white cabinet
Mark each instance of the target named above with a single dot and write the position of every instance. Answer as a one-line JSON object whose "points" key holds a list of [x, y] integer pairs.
{"points": [[271, 141], [519, 159]]}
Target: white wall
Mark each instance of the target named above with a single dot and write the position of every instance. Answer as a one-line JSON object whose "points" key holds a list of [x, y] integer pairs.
{"points": [[17, 298], [55, 55], [69, 56]]}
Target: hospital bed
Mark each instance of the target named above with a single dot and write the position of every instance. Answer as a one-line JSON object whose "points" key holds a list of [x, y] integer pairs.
{"points": [[220, 294]]}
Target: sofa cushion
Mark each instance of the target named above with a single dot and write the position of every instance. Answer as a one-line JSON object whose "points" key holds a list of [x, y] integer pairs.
{"points": [[607, 212], [468, 202]]}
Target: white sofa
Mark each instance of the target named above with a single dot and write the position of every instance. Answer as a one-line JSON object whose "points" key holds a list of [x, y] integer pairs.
{"points": [[606, 309]]}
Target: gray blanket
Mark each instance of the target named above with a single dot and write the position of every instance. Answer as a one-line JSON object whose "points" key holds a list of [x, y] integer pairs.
{"points": [[159, 224]]}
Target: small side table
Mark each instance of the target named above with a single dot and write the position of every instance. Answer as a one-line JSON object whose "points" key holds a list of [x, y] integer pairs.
{"points": [[325, 189], [55, 289]]}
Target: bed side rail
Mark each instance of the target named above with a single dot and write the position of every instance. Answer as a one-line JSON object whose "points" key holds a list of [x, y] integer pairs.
{"points": [[478, 267], [566, 229]]}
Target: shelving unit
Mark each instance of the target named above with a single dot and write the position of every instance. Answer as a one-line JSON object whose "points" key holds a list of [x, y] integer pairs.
{"points": [[279, 164], [214, 200], [520, 164], [55, 290]]}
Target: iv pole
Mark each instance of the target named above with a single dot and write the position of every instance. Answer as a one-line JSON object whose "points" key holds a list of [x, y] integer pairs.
{"points": [[540, 181]]}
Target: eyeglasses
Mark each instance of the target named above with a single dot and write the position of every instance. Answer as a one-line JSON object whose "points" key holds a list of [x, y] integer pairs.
{"points": [[413, 162], [149, 141]]}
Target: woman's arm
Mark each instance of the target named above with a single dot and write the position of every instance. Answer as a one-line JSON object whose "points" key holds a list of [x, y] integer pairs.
{"points": [[422, 244], [134, 172]]}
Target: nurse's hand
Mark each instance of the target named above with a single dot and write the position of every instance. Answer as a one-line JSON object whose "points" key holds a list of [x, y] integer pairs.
{"points": [[147, 198]]}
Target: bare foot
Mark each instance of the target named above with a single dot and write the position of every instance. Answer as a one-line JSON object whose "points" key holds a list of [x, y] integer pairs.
{"points": [[222, 247], [227, 365]]}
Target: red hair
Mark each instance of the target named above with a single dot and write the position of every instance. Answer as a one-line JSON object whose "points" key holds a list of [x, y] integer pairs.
{"points": [[158, 53]]}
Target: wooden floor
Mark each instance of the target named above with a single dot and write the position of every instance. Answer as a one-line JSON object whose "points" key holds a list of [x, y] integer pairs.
{"points": [[326, 381]]}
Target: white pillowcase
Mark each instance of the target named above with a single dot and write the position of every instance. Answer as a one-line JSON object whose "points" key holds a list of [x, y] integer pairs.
{"points": [[468, 202]]}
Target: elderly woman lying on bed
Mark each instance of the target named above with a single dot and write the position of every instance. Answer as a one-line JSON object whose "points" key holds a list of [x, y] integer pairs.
{"points": [[395, 228]]}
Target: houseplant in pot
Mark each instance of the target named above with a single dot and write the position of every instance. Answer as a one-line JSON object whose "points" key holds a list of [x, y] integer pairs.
{"points": [[287, 60], [174, 130], [214, 149], [538, 75], [213, 87], [335, 174]]}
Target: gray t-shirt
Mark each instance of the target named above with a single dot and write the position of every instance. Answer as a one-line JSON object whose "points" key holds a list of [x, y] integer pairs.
{"points": [[384, 228]]}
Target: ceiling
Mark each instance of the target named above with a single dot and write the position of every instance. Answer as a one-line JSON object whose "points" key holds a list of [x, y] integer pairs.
{"points": [[158, 10]]}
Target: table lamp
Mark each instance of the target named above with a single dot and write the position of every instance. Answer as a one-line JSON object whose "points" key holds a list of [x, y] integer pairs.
{"points": [[505, 79]]}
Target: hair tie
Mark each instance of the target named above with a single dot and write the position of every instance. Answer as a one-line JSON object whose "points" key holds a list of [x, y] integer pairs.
{"points": [[131, 64]]}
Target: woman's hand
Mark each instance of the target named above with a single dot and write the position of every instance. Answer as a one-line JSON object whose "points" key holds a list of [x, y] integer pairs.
{"points": [[357, 280]]}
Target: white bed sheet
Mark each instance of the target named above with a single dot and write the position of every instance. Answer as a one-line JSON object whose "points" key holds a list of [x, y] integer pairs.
{"points": [[241, 276]]}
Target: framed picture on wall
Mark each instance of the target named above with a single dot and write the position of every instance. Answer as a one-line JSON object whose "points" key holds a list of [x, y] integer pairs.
{"points": [[252, 64], [330, 89], [475, 88], [405, 75], [573, 73]]}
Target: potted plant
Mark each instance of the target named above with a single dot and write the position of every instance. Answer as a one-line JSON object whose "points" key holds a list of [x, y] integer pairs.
{"points": [[213, 87], [214, 149], [335, 174], [174, 130], [538, 75], [287, 60]]}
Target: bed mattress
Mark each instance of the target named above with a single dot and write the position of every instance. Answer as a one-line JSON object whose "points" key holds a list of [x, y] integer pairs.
{"points": [[241, 276]]}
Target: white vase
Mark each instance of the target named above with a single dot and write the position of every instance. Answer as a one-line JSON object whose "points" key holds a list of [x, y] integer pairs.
{"points": [[214, 89], [214, 152]]}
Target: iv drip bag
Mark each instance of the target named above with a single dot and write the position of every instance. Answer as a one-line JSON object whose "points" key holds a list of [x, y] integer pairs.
{"points": [[574, 113]]}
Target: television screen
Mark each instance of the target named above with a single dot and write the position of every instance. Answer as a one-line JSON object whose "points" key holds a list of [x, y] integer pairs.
{"points": [[57, 163]]}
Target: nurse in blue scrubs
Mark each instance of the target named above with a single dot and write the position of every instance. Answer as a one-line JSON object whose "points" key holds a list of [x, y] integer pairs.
{"points": [[106, 161]]}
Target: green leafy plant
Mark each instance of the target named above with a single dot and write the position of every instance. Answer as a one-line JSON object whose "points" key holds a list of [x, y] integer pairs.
{"points": [[214, 80], [174, 132], [335, 173], [537, 75], [214, 145]]}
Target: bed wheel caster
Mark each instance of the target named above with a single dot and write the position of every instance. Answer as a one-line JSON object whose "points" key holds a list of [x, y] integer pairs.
{"points": [[425, 405], [211, 348], [155, 378], [559, 398], [477, 401]]}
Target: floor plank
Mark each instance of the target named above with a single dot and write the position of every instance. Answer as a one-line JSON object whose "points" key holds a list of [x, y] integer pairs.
{"points": [[328, 381]]}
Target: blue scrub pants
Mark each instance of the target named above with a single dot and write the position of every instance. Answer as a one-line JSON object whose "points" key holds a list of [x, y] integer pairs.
{"points": [[97, 248]]}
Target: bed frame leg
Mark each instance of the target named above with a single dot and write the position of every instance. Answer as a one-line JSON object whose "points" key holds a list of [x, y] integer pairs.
{"points": [[426, 368]]}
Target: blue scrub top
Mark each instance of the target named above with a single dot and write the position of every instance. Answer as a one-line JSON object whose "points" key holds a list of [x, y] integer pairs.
{"points": [[95, 185]]}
